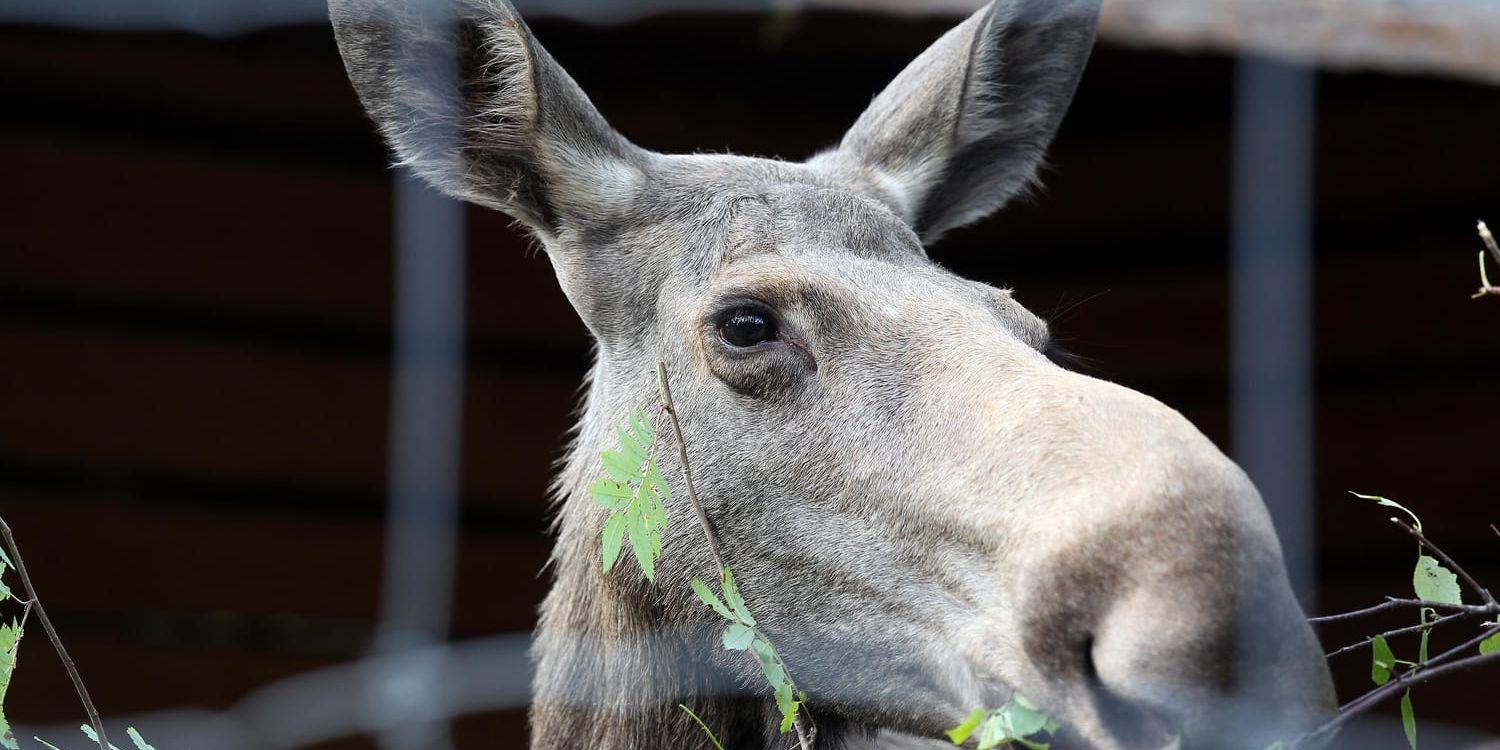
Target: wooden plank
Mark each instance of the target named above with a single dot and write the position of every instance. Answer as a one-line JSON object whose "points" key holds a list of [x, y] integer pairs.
{"points": [[1452, 37], [253, 242], [234, 413], [169, 571]]}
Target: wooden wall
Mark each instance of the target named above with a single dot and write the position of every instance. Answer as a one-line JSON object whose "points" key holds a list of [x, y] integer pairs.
{"points": [[195, 286]]}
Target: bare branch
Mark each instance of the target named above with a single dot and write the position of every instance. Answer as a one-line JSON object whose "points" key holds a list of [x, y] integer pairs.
{"points": [[1392, 603], [35, 603], [1400, 631]]}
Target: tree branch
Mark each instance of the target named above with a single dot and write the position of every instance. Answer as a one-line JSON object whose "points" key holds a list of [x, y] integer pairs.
{"points": [[1484, 593], [804, 738], [687, 472], [1405, 680], [1392, 603], [35, 603], [1400, 631]]}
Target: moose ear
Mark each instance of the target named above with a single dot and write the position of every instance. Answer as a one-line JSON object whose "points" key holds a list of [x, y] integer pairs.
{"points": [[471, 102], [964, 128]]}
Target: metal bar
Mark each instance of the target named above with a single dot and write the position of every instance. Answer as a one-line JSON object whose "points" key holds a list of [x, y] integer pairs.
{"points": [[1271, 316], [425, 441]]}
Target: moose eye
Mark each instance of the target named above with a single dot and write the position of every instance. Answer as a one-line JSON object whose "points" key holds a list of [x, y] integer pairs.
{"points": [[746, 328]]}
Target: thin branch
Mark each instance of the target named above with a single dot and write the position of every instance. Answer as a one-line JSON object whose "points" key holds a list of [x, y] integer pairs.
{"points": [[804, 738], [1410, 676], [1399, 631], [1485, 287], [35, 602], [1483, 592], [1388, 690], [1393, 603], [687, 472]]}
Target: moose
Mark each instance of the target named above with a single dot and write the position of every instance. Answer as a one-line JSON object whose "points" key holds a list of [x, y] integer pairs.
{"points": [[924, 509]]}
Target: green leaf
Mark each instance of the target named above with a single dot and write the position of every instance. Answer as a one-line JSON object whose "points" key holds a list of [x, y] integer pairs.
{"points": [[994, 732], [736, 602], [643, 427], [1023, 717], [1435, 583], [10, 640], [1422, 649], [135, 737], [612, 495], [1384, 660], [5, 592], [961, 733], [621, 468], [5, 559], [786, 704], [706, 595], [614, 536], [1391, 504], [1491, 644], [789, 720], [642, 544], [88, 730], [1409, 720], [770, 664], [631, 447], [737, 637]]}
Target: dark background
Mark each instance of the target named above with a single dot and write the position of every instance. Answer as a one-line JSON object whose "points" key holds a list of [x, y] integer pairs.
{"points": [[195, 305]]}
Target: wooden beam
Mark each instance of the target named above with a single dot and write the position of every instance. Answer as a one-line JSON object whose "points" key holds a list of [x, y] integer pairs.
{"points": [[1459, 38]]}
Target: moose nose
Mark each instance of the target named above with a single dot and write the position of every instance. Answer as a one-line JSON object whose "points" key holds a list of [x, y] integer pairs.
{"points": [[1170, 619]]}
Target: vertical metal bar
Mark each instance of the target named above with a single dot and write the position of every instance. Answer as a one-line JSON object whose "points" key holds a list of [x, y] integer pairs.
{"points": [[425, 441], [1271, 316]]}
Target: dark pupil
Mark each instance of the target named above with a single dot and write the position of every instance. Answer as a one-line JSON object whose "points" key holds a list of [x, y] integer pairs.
{"points": [[747, 329]]}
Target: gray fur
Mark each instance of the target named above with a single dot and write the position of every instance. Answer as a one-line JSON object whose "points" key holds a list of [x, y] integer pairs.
{"points": [[925, 512]]}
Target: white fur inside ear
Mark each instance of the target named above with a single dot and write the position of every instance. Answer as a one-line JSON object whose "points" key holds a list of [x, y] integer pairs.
{"points": [[595, 183], [908, 185]]}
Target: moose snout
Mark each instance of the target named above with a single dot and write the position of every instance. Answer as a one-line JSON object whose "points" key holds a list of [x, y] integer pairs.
{"points": [[1160, 614]]}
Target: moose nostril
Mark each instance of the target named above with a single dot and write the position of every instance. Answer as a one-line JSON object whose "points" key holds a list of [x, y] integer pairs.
{"points": [[1133, 725]]}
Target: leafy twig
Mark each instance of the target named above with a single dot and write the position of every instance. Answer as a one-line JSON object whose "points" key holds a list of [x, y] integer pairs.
{"points": [[687, 473], [41, 613], [1401, 682], [757, 642], [1484, 593]]}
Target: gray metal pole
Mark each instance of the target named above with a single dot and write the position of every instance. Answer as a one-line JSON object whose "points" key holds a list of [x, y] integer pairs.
{"points": [[425, 442], [1271, 316]]}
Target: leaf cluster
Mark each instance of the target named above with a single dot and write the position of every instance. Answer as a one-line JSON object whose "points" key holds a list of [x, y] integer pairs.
{"points": [[635, 494], [742, 634], [1018, 722], [10, 641], [135, 739], [1432, 582]]}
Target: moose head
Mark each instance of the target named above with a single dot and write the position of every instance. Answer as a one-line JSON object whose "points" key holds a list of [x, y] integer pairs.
{"points": [[925, 511]]}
